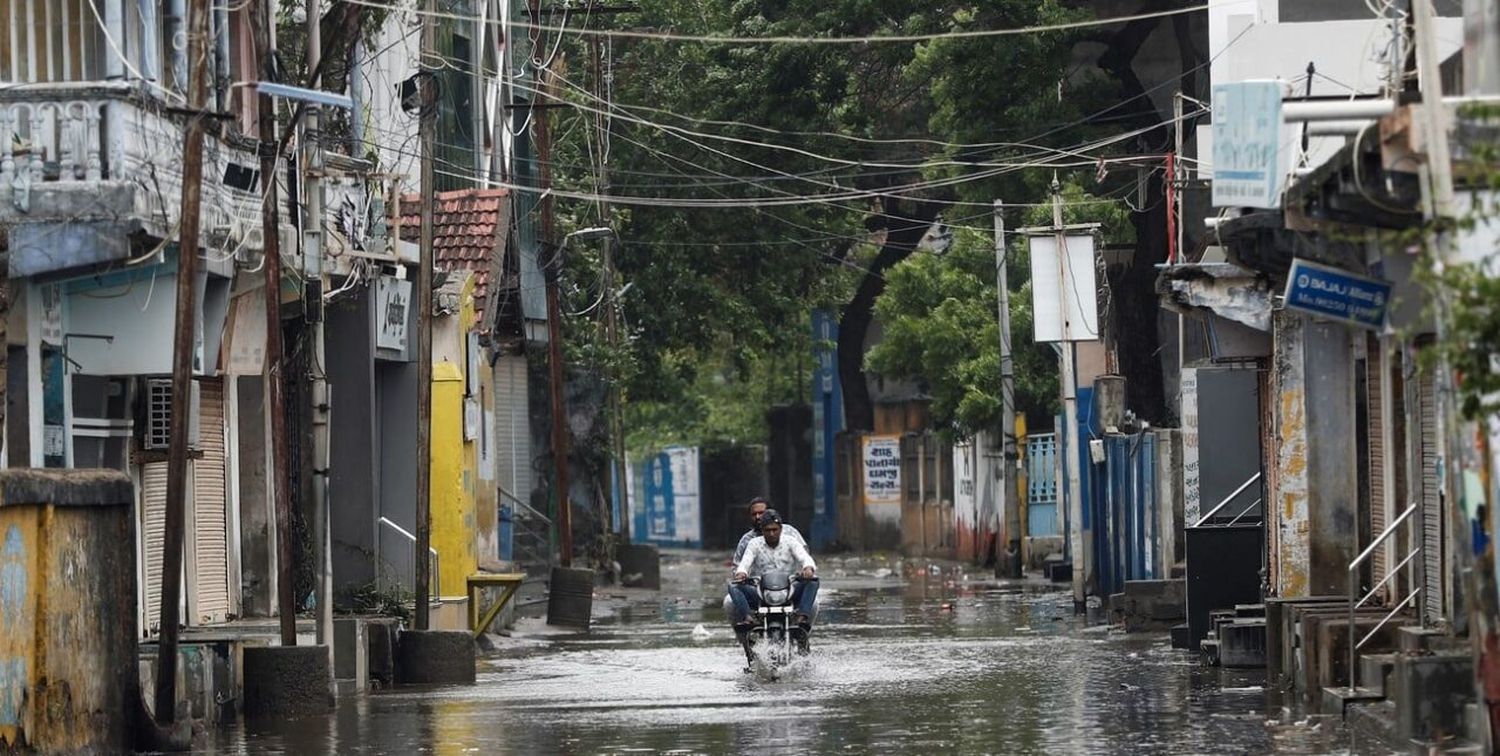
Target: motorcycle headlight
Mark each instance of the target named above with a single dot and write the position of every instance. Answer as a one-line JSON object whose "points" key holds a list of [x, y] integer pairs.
{"points": [[776, 598]]}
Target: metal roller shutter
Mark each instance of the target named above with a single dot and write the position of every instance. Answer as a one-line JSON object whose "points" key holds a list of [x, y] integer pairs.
{"points": [[210, 557]]}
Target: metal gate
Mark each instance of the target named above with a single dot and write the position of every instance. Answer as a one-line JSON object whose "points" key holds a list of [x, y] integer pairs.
{"points": [[1431, 492], [1041, 485]]}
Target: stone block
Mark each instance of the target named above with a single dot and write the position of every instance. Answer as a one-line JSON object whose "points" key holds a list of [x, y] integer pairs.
{"points": [[1375, 670], [283, 681], [380, 650], [1431, 693], [1333, 644], [1182, 637], [351, 652], [1420, 640], [640, 565], [435, 657], [1242, 644]]}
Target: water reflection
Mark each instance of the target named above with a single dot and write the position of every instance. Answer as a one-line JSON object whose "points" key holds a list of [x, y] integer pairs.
{"points": [[914, 659]]}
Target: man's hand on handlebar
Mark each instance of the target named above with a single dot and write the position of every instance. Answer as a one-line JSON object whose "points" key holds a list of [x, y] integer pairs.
{"points": [[740, 577], [807, 573]]}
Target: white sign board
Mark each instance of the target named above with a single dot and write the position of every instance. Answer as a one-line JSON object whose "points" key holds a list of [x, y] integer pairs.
{"points": [[1067, 283], [1246, 144], [882, 460], [392, 299]]}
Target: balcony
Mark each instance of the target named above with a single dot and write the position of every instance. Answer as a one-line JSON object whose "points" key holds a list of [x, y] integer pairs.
{"points": [[92, 171]]}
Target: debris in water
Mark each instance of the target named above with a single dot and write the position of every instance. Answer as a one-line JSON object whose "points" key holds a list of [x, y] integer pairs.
{"points": [[701, 633], [1133, 655], [1128, 686], [947, 607]]}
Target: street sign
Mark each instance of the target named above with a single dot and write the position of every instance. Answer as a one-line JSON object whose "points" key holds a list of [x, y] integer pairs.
{"points": [[1247, 140], [1070, 284], [1337, 294]]}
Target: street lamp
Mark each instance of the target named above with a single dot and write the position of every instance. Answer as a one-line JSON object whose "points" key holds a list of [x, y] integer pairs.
{"points": [[594, 232]]}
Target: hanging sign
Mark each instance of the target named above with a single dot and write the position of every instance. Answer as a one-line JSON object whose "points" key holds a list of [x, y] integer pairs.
{"points": [[1247, 141], [882, 460], [1336, 294]]}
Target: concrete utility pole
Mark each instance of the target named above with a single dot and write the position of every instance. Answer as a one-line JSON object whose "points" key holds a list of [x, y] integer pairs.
{"points": [[275, 378], [1070, 410], [611, 317], [427, 122], [313, 265], [182, 362], [1011, 530]]}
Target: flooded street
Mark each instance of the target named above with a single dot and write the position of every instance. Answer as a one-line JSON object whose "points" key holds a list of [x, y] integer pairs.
{"points": [[907, 657]]}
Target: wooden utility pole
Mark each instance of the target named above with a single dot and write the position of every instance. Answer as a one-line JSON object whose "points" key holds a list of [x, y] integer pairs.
{"points": [[553, 271], [182, 362], [275, 378], [427, 123]]}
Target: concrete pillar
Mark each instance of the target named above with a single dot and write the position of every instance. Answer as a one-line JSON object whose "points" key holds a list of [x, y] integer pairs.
{"points": [[68, 676], [1312, 514]]}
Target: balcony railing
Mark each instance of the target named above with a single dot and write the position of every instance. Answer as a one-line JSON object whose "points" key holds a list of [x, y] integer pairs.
{"points": [[70, 136]]}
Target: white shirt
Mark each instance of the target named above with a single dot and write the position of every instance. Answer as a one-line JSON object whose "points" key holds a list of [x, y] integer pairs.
{"points": [[787, 556], [787, 531]]}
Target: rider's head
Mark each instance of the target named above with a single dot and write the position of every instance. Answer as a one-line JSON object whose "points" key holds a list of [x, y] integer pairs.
{"points": [[758, 507], [770, 527]]}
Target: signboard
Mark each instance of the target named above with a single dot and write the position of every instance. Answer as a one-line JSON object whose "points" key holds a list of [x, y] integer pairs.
{"points": [[1246, 144], [1336, 294], [671, 512], [1068, 283], [882, 462], [392, 299], [827, 412]]}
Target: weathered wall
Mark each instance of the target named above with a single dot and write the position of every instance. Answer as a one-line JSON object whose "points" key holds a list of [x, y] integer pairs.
{"points": [[453, 522], [789, 464], [68, 680], [1313, 487]]}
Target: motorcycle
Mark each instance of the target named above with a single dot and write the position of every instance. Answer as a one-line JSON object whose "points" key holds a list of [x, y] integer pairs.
{"points": [[775, 636]]}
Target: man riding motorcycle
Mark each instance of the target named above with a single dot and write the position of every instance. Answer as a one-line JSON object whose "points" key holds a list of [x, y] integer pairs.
{"points": [[758, 507], [771, 552]]}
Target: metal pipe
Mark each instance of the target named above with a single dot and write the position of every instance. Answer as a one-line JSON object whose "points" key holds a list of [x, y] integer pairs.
{"points": [[1245, 511], [1336, 110], [1227, 499], [1346, 127], [1387, 618], [1384, 534], [1388, 575]]}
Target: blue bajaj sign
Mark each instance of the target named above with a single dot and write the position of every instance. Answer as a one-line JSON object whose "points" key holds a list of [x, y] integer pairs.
{"points": [[1337, 295]]}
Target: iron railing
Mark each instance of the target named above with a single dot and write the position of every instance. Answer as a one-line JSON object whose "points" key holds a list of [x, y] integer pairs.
{"points": [[1231, 497], [432, 554], [1356, 600]]}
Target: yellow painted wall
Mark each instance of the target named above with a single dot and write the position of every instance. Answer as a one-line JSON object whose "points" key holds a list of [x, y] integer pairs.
{"points": [[453, 521]]}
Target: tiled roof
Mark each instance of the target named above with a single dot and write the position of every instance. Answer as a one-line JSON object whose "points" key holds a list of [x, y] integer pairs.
{"points": [[464, 224]]}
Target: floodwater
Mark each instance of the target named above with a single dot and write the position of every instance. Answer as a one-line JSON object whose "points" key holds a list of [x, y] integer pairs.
{"points": [[908, 657]]}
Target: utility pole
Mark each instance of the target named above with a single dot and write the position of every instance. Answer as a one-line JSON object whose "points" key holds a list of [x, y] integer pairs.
{"points": [[1460, 457], [1070, 410], [275, 377], [427, 123], [611, 317], [553, 271], [1011, 529], [182, 362], [313, 264]]}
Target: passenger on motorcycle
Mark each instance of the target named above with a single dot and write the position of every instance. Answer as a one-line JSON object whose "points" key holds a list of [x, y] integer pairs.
{"points": [[758, 507], [772, 551]]}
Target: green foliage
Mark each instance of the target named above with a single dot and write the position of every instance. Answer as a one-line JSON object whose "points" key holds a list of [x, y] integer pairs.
{"points": [[717, 320]]}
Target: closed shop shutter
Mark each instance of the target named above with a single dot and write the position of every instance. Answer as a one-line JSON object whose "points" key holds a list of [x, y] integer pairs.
{"points": [[1432, 512], [153, 514], [513, 430], [1376, 388], [210, 557]]}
